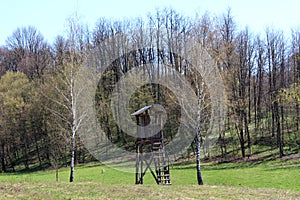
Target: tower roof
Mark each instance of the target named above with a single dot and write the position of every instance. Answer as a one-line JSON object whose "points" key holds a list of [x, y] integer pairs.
{"points": [[142, 110]]}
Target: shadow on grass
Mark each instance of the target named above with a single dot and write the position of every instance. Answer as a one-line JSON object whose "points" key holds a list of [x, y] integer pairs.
{"points": [[270, 161], [32, 169], [284, 167]]}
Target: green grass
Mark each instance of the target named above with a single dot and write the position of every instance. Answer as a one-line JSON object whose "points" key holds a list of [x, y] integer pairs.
{"points": [[278, 178], [272, 174]]}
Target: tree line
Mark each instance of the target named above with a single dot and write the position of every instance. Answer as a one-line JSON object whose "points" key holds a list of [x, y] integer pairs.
{"points": [[38, 122]]}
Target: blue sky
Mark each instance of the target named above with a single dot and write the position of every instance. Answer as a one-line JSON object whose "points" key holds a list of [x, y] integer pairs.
{"points": [[49, 16]]}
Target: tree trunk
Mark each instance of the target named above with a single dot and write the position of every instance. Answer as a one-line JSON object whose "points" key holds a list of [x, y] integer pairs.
{"points": [[297, 117], [3, 157], [277, 118], [242, 142], [198, 142], [282, 125], [72, 157], [56, 173], [37, 150], [247, 133]]}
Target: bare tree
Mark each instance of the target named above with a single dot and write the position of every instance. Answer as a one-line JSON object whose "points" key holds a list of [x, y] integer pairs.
{"points": [[226, 59], [30, 53], [65, 95], [275, 60]]}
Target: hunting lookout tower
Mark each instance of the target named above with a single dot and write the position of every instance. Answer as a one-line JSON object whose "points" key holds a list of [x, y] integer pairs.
{"points": [[150, 151]]}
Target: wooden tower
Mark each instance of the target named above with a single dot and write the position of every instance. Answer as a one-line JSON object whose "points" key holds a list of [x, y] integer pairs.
{"points": [[150, 146]]}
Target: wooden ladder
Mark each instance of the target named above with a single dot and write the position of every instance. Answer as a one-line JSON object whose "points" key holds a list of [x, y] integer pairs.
{"points": [[161, 163]]}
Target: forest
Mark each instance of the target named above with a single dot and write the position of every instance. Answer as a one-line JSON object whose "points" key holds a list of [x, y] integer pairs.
{"points": [[38, 119]]}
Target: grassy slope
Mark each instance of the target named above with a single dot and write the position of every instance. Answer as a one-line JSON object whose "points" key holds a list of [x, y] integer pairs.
{"points": [[227, 180]]}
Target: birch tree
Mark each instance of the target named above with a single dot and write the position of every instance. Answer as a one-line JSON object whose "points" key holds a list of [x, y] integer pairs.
{"points": [[65, 95]]}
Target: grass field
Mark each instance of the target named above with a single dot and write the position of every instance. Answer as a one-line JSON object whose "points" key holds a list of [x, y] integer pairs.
{"points": [[273, 179], [93, 190]]}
